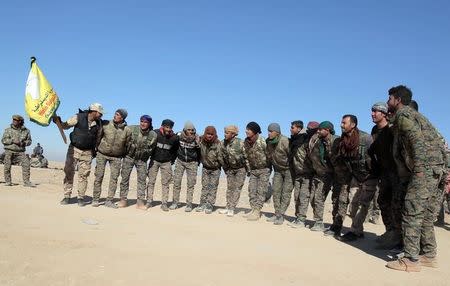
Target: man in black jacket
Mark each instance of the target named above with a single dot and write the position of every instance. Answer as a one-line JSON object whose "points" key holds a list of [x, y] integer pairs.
{"points": [[83, 143], [163, 157]]}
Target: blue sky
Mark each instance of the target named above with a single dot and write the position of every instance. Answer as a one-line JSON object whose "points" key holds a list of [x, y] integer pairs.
{"points": [[226, 62]]}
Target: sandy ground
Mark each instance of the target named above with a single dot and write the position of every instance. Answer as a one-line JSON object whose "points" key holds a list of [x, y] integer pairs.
{"points": [[44, 243]]}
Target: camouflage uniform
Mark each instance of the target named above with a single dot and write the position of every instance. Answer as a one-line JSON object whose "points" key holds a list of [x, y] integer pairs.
{"points": [[235, 167], [278, 154], [302, 174], [13, 151], [76, 157], [113, 146], [356, 182], [323, 173], [259, 171], [140, 148], [188, 160], [419, 150], [211, 157]]}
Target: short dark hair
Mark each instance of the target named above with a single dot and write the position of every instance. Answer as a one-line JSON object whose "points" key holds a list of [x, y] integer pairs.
{"points": [[402, 92], [297, 123], [353, 118], [414, 104]]}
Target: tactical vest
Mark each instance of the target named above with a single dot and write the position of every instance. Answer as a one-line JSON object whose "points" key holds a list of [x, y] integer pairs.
{"points": [[82, 137]]}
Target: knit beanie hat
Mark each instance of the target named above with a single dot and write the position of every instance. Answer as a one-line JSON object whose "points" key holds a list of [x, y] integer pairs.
{"points": [[168, 122], [189, 125], [122, 113], [274, 127], [254, 127]]}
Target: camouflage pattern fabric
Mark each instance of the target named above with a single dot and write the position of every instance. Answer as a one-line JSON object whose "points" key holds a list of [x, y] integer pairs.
{"points": [[115, 164], [81, 159]]}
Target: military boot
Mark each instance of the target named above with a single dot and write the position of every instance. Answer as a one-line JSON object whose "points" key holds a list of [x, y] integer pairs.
{"points": [[297, 223], [173, 206], [140, 205], [209, 209], [404, 264], [279, 220], [200, 208], [164, 207], [65, 201], [29, 184], [148, 204], [95, 203], [318, 226], [122, 203], [254, 215], [428, 262], [81, 202], [110, 204], [188, 208]]}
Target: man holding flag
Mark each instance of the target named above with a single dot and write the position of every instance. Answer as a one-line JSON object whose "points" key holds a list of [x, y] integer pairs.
{"points": [[41, 103], [83, 143]]}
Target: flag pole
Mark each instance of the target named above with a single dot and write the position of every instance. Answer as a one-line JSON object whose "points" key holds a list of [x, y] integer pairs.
{"points": [[59, 124]]}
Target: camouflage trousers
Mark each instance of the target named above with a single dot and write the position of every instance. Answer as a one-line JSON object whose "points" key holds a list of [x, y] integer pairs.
{"points": [[374, 208], [20, 157], [367, 193], [81, 159], [210, 183], [423, 199], [257, 187], [191, 177], [166, 179], [141, 170], [303, 195], [312, 190], [387, 186], [398, 203], [348, 195], [235, 182], [114, 166], [282, 190]]}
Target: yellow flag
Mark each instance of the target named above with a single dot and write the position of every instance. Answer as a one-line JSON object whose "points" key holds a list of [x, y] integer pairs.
{"points": [[41, 101]]}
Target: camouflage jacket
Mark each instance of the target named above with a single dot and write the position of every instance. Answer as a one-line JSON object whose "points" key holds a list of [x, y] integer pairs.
{"points": [[142, 143], [115, 139], [233, 154], [300, 161], [211, 155], [417, 144], [13, 135], [322, 166], [360, 166], [278, 153], [256, 154]]}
